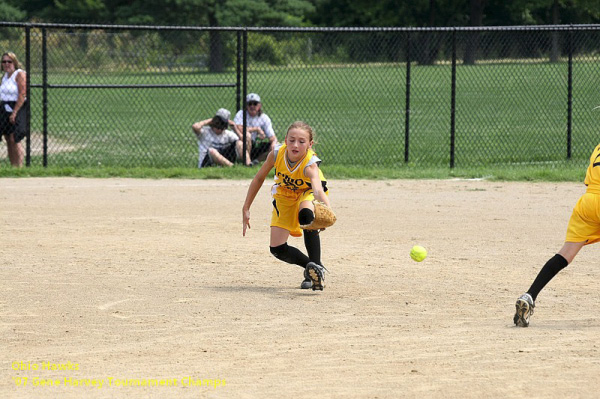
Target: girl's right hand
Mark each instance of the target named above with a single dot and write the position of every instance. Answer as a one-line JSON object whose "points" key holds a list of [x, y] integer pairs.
{"points": [[245, 220]]}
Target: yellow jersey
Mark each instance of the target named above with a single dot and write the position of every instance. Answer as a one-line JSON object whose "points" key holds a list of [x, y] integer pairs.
{"points": [[592, 175], [290, 180]]}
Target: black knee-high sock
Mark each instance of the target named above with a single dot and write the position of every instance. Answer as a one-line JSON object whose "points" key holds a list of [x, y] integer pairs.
{"points": [[312, 240], [550, 269], [290, 255]]}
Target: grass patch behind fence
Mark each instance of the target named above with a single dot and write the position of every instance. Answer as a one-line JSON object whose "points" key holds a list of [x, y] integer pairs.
{"points": [[507, 115]]}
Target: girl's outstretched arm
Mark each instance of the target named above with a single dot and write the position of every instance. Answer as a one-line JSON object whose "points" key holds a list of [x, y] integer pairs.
{"points": [[255, 186], [312, 172]]}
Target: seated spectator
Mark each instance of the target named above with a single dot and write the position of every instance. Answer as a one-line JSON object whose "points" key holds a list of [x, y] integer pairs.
{"points": [[260, 137], [216, 144]]}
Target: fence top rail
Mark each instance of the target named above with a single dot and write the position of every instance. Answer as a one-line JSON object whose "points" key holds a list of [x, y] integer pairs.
{"points": [[579, 27], [139, 86], [118, 27], [430, 29]]}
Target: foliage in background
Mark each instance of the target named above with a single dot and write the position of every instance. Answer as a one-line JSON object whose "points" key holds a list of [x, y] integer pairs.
{"points": [[168, 12], [305, 12], [10, 12], [421, 13]]}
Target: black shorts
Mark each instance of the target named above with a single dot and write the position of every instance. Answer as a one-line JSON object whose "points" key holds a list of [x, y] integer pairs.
{"points": [[259, 149], [228, 152], [19, 129]]}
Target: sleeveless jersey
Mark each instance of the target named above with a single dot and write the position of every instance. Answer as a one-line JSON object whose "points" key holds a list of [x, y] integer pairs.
{"points": [[9, 90], [592, 175], [290, 181]]}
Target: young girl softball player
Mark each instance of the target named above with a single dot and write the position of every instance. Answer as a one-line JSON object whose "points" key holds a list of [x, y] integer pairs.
{"points": [[583, 229], [298, 180]]}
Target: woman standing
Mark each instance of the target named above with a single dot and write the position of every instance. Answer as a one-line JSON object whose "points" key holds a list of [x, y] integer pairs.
{"points": [[13, 118]]}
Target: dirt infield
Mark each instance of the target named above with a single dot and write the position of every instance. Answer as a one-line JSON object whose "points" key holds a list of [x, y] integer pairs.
{"points": [[148, 288]]}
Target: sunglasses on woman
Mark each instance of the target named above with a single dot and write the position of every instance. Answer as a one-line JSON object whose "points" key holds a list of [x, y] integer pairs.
{"points": [[6, 61]]}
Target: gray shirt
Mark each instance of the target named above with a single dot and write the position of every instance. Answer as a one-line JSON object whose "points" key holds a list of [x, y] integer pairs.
{"points": [[262, 121], [209, 139]]}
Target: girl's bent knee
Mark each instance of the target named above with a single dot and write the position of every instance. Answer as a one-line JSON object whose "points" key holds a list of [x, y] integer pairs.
{"points": [[305, 216], [279, 251]]}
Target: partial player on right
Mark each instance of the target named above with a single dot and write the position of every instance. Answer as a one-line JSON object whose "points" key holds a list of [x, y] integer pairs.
{"points": [[583, 229]]}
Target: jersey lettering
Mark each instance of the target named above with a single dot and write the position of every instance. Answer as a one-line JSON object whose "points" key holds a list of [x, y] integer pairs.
{"points": [[289, 183], [592, 174], [596, 163], [293, 182]]}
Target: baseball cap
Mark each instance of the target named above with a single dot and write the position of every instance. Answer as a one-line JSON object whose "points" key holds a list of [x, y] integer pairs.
{"points": [[223, 114], [252, 97]]}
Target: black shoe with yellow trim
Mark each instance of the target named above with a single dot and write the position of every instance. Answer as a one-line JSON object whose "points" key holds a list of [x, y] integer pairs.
{"points": [[316, 273]]}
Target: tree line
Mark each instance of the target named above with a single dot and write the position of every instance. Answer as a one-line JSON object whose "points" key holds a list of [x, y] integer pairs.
{"points": [[305, 13]]}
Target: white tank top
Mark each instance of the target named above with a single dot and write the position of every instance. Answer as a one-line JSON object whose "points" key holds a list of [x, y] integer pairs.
{"points": [[9, 91]]}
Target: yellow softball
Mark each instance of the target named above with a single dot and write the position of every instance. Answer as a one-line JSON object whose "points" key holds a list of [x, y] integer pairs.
{"points": [[418, 253]]}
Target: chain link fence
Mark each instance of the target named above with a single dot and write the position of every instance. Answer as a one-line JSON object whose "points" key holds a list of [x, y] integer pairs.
{"points": [[127, 96]]}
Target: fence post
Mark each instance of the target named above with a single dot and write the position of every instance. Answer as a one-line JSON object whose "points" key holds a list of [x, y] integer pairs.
{"points": [[238, 79], [453, 101], [570, 94], [45, 97], [407, 110], [28, 94], [244, 93]]}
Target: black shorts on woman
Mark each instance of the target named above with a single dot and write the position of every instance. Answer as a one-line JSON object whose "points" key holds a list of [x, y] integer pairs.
{"points": [[19, 128]]}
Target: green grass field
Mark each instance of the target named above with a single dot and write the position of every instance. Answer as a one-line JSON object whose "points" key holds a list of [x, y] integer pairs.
{"points": [[564, 172], [508, 116]]}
